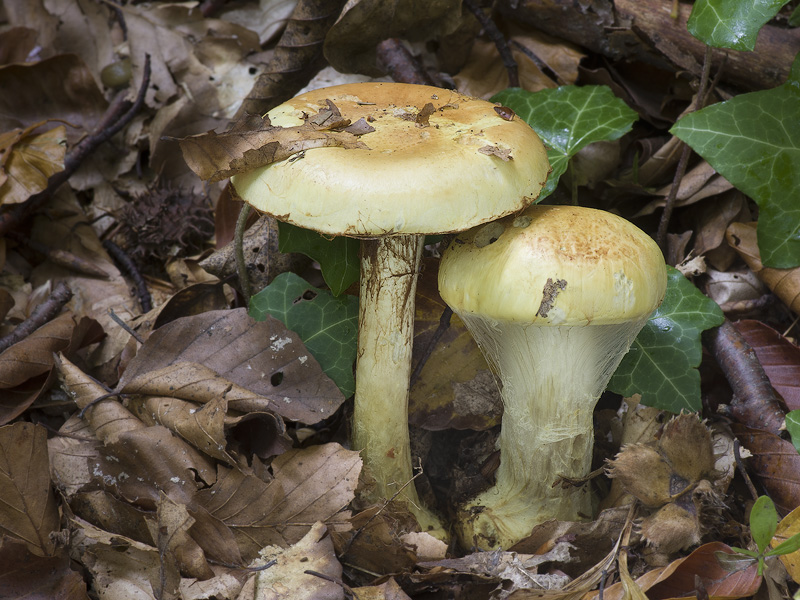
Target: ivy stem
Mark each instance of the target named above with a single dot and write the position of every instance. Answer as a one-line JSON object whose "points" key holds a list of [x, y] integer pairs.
{"points": [[680, 171]]}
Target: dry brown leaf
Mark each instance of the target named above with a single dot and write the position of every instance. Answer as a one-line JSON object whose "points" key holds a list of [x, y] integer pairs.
{"points": [[779, 357], [26, 575], [244, 371], [61, 87], [455, 388], [206, 426], [289, 578], [120, 567], [388, 590], [215, 157], [310, 485], [28, 508], [29, 161], [677, 579], [785, 283], [178, 551]]}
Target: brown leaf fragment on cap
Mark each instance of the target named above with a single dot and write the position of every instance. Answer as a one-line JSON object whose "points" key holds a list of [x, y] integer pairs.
{"points": [[329, 118], [505, 113], [549, 293], [360, 127], [423, 116], [216, 156], [501, 153]]}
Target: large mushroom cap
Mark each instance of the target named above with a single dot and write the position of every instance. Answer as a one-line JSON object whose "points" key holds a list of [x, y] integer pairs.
{"points": [[555, 265], [447, 167]]}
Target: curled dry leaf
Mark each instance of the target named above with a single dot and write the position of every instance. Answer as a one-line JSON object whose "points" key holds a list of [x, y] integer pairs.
{"points": [[215, 157], [776, 463], [263, 367], [27, 575], [289, 578], [455, 388], [779, 357], [785, 283], [310, 485], [677, 580], [27, 160], [28, 510]]}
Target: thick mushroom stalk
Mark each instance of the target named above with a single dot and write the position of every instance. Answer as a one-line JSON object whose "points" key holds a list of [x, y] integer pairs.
{"points": [[389, 270], [554, 299]]}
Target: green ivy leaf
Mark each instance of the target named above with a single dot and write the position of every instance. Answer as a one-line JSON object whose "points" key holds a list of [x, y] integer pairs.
{"points": [[337, 256], [327, 325], [794, 20], [753, 140], [662, 362], [793, 427], [763, 522], [731, 23], [567, 119]]}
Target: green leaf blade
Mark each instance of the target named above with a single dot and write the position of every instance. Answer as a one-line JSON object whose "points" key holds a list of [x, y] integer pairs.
{"points": [[753, 140], [731, 24], [327, 325], [662, 362], [337, 257], [569, 118], [763, 522], [786, 547], [793, 427]]}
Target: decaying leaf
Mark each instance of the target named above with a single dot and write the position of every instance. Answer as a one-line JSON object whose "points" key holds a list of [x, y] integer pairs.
{"points": [[28, 510], [310, 485], [290, 579], [215, 157], [779, 357], [263, 366], [455, 388], [24, 574], [785, 283], [27, 160]]}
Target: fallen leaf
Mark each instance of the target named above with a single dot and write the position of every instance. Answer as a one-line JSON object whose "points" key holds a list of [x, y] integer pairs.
{"points": [[388, 590], [310, 485], [455, 388], [263, 360], [217, 156], [27, 164], [677, 579], [776, 463], [28, 510], [27, 575], [785, 283], [789, 526], [779, 357], [293, 575]]}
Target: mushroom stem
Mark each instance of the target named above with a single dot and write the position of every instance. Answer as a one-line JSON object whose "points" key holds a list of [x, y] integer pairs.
{"points": [[552, 378], [389, 271]]}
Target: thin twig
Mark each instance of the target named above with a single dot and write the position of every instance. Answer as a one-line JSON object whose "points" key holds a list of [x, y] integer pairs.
{"points": [[116, 318], [499, 41], [680, 171], [43, 313], [346, 588], [737, 456], [238, 240], [444, 325], [400, 64], [129, 268], [118, 115]]}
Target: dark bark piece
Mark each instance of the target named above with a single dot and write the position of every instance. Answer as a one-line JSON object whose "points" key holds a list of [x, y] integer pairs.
{"points": [[754, 401], [642, 30], [297, 57]]}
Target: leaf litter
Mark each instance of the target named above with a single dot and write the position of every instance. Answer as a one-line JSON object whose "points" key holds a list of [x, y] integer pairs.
{"points": [[197, 456]]}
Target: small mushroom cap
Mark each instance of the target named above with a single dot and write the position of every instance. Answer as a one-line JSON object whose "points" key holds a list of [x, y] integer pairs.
{"points": [[459, 166], [554, 265]]}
